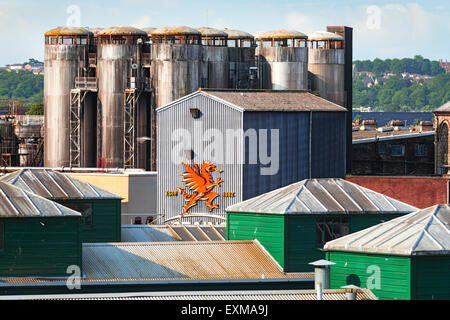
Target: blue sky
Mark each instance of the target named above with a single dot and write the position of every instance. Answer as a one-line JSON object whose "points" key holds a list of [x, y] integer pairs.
{"points": [[384, 29]]}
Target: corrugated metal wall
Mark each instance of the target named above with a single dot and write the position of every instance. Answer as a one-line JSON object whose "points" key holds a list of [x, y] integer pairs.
{"points": [[214, 115], [328, 148], [293, 150]]}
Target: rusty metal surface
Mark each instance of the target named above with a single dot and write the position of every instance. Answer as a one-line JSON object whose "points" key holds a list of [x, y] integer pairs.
{"points": [[68, 31], [237, 34], [179, 260], [16, 202], [324, 35], [176, 30], [250, 295], [148, 30], [280, 34], [424, 232], [211, 32], [121, 30], [321, 196], [51, 184], [282, 100]]}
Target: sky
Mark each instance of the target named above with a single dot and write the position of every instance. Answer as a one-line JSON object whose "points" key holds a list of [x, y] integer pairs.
{"points": [[381, 29]]}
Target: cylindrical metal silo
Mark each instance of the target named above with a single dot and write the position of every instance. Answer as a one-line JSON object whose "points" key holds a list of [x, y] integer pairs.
{"points": [[215, 64], [241, 56], [120, 82], [326, 60], [66, 56], [282, 57], [176, 55]]}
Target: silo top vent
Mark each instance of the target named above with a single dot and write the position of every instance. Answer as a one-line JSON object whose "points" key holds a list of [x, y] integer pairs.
{"points": [[280, 34], [68, 31], [176, 30], [122, 31], [324, 36], [234, 34]]}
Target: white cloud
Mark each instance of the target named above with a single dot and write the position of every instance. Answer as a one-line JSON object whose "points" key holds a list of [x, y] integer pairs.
{"points": [[142, 22]]}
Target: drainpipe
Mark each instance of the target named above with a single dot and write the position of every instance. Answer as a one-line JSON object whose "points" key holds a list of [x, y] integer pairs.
{"points": [[351, 291], [321, 276]]}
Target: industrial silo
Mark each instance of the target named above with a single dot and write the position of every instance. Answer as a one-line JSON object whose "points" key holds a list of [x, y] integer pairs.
{"points": [[326, 65], [120, 90], [282, 58], [176, 55], [215, 65], [241, 57], [69, 121]]}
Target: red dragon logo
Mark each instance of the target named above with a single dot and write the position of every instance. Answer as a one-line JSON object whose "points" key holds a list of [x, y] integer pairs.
{"points": [[201, 183]]}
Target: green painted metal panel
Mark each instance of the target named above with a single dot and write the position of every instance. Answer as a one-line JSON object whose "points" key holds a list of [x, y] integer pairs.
{"points": [[106, 224], [387, 276], [267, 229], [43, 246], [301, 247], [431, 279]]}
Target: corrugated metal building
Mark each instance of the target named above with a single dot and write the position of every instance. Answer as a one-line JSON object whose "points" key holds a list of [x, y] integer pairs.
{"points": [[38, 237], [180, 232], [262, 140], [328, 294], [169, 266], [100, 209], [294, 222], [405, 258]]}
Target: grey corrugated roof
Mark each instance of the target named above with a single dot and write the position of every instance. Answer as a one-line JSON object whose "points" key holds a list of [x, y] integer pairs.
{"points": [[52, 184], [16, 203], [275, 100], [161, 233], [321, 196], [327, 294], [179, 260], [419, 233]]}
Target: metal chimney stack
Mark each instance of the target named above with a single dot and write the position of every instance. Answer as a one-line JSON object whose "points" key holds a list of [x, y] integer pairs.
{"points": [[321, 276], [351, 291]]}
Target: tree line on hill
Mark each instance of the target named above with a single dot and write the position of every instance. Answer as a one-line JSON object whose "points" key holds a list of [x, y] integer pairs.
{"points": [[418, 65], [400, 94]]}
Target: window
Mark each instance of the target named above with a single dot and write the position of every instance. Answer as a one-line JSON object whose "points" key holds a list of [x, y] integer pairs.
{"points": [[421, 150], [84, 208], [328, 229], [381, 148], [398, 150]]}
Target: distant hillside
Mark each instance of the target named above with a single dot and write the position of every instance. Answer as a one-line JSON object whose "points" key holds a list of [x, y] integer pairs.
{"points": [[418, 65], [22, 85], [404, 85]]}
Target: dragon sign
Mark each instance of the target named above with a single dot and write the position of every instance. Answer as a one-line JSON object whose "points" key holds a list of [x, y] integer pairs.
{"points": [[201, 182]]}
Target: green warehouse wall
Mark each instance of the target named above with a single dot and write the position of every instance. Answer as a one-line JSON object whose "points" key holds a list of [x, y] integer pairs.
{"points": [[106, 223], [291, 239], [40, 246], [431, 277], [359, 268]]}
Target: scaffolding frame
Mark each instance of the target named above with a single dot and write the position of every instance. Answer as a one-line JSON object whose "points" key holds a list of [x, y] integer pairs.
{"points": [[77, 97], [129, 128]]}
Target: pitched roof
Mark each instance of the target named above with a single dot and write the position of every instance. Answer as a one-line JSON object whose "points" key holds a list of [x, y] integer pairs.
{"points": [[424, 232], [275, 100], [327, 294], [18, 203], [321, 196], [179, 260], [52, 184], [444, 108]]}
